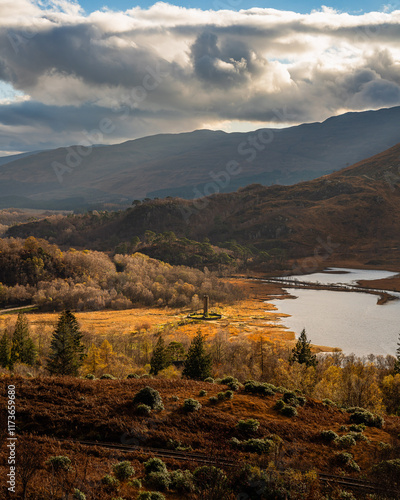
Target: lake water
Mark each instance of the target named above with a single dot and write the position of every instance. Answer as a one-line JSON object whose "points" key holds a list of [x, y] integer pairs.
{"points": [[351, 321]]}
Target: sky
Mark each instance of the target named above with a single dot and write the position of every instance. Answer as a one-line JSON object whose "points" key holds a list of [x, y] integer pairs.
{"points": [[83, 73]]}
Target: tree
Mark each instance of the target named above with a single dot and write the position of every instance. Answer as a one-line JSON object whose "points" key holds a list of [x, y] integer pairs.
{"points": [[22, 347], [397, 362], [302, 351], [197, 365], [66, 348], [93, 362], [160, 358], [4, 351]]}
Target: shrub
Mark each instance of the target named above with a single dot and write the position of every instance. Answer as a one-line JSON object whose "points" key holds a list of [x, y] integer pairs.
{"points": [[329, 436], [248, 426], [343, 458], [367, 418], [357, 436], [328, 402], [228, 380], [78, 495], [343, 428], [191, 405], [123, 470], [259, 388], [213, 400], [228, 395], [143, 409], [175, 398], [209, 477], [59, 462], [110, 481], [132, 375], [182, 481], [154, 465], [357, 428], [210, 380], [135, 483], [150, 495], [346, 495], [387, 472], [107, 376], [279, 405], [221, 396], [158, 480], [293, 399], [289, 411], [259, 446], [149, 397], [346, 441], [202, 393], [234, 386], [90, 376]]}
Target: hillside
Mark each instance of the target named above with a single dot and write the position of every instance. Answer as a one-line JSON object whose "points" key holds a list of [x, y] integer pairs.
{"points": [[184, 164], [354, 212]]}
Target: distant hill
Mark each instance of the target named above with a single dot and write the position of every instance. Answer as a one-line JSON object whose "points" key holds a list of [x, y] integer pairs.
{"points": [[356, 209], [192, 164]]}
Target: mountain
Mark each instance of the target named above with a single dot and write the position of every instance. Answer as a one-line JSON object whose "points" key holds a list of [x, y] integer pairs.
{"points": [[8, 159], [194, 164], [352, 214]]}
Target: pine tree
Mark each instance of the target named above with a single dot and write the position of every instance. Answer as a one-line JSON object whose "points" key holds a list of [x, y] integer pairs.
{"points": [[397, 362], [198, 363], [22, 347], [4, 351], [66, 348], [159, 359], [302, 352]]}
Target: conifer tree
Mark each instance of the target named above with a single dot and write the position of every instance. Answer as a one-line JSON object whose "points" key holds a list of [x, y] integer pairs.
{"points": [[22, 347], [4, 351], [106, 355], [159, 359], [397, 362], [66, 348], [93, 362], [198, 363], [302, 351]]}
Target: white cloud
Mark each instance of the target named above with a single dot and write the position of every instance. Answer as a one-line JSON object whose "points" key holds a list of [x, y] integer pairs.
{"points": [[169, 68]]}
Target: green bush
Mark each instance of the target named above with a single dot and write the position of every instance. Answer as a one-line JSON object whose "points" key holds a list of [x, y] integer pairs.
{"points": [[228, 395], [213, 400], [289, 411], [158, 480], [261, 388], [387, 472], [328, 402], [110, 481], [248, 426], [90, 376], [293, 399], [154, 465], [182, 481], [150, 495], [210, 380], [228, 380], [135, 483], [357, 428], [346, 441], [78, 495], [329, 436], [149, 397], [143, 409], [59, 462], [259, 446], [202, 393], [132, 375], [367, 418], [209, 477], [343, 458], [234, 386], [191, 405], [107, 376], [279, 405], [123, 470], [221, 396]]}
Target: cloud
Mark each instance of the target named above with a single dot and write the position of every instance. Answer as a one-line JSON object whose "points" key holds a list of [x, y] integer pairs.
{"points": [[168, 68]]}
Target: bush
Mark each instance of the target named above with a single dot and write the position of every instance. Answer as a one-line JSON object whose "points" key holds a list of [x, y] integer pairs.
{"points": [[289, 411], [132, 375], [250, 425], [357, 428], [279, 405], [135, 483], [387, 472], [182, 481], [107, 376], [228, 380], [210, 380], [343, 458], [202, 393], [90, 376], [213, 400], [329, 436], [149, 397], [233, 386], [150, 495], [154, 465], [59, 462], [158, 480], [228, 395], [293, 399], [110, 481], [123, 470], [78, 495], [209, 477], [328, 402], [143, 409], [259, 446], [221, 396], [346, 441], [260, 388], [365, 417], [191, 405]]}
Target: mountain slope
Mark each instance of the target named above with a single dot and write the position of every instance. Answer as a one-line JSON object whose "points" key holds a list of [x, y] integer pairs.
{"points": [[185, 164], [356, 209]]}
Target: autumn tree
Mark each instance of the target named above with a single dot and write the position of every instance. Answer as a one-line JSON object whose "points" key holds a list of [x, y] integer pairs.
{"points": [[302, 351], [198, 363], [159, 359], [93, 362], [66, 348], [22, 347]]}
